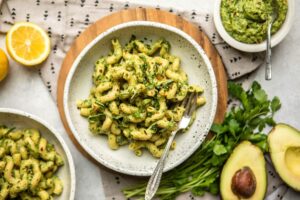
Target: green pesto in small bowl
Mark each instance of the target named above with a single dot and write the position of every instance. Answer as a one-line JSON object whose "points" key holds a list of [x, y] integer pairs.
{"points": [[247, 20]]}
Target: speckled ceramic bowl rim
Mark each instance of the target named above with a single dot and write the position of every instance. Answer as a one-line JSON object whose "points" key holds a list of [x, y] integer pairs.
{"points": [[276, 38], [58, 137], [136, 24]]}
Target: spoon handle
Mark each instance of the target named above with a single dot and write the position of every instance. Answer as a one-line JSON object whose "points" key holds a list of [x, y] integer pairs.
{"points": [[268, 54]]}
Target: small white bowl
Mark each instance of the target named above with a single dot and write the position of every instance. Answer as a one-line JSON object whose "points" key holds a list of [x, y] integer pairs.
{"points": [[276, 38], [79, 82], [21, 119]]}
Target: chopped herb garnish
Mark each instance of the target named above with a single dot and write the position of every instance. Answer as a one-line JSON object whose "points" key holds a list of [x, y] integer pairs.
{"points": [[155, 104], [10, 130], [97, 117], [100, 104], [132, 38], [146, 101], [117, 117], [121, 140], [137, 114]]}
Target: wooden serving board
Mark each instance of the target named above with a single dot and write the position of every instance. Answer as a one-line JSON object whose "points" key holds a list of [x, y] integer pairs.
{"points": [[141, 14]]}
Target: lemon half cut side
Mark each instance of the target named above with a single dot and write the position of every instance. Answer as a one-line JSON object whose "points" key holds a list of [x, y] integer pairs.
{"points": [[28, 44]]}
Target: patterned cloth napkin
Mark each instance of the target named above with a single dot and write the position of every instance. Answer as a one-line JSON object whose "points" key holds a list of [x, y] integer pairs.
{"points": [[64, 20], [63, 23]]}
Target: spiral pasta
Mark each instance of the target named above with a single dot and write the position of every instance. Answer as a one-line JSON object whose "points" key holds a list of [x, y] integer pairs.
{"points": [[136, 96], [27, 165]]}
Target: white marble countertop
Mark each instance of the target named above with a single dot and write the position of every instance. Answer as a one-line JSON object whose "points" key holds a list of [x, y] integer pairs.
{"points": [[23, 89]]}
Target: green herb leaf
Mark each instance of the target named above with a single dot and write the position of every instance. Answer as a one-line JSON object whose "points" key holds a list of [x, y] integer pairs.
{"points": [[255, 86], [100, 104], [218, 129], [97, 117], [275, 104], [117, 117], [260, 95], [137, 114], [263, 145], [219, 149], [235, 90], [10, 130], [233, 126], [198, 191], [214, 188]]}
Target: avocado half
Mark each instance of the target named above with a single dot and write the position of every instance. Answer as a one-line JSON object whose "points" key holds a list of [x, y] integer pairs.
{"points": [[284, 144], [246, 160]]}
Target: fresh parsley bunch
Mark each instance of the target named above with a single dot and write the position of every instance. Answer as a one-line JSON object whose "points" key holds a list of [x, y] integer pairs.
{"points": [[251, 111]]}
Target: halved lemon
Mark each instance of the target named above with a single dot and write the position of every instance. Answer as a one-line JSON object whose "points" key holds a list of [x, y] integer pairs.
{"points": [[27, 43], [3, 65]]}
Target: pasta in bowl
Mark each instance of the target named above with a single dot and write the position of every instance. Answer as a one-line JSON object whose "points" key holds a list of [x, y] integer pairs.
{"points": [[34, 161], [28, 164], [136, 96], [132, 94]]}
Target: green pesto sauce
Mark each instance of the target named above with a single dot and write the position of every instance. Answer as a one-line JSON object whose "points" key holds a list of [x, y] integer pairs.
{"points": [[247, 20]]}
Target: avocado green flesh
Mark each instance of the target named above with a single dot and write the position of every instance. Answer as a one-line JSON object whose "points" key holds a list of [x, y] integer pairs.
{"points": [[244, 155], [247, 20], [284, 143]]}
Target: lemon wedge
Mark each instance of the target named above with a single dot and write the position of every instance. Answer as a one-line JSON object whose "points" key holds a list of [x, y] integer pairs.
{"points": [[3, 65], [28, 43]]}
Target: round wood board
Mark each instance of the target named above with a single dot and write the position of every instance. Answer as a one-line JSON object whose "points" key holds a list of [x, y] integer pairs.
{"points": [[141, 14]]}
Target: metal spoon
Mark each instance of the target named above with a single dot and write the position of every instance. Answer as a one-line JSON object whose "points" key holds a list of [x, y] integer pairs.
{"points": [[274, 16]]}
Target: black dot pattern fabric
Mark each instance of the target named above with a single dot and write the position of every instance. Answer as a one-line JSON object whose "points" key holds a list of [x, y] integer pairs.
{"points": [[64, 20]]}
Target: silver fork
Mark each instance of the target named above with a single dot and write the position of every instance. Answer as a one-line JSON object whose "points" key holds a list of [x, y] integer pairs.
{"points": [[268, 53], [189, 103]]}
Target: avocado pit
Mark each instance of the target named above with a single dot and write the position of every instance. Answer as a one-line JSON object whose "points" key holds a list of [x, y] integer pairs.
{"points": [[243, 183]]}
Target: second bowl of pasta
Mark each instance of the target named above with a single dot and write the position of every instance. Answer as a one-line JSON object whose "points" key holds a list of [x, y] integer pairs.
{"points": [[124, 92], [34, 159]]}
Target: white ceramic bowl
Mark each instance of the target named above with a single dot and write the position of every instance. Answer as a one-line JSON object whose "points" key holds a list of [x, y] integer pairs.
{"points": [[276, 38], [20, 119], [79, 82]]}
